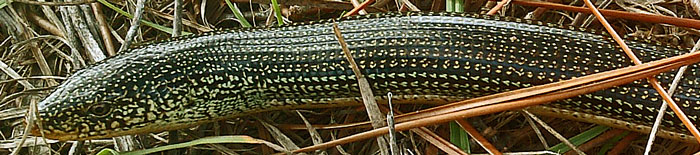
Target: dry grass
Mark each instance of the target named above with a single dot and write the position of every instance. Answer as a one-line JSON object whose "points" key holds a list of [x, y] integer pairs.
{"points": [[36, 55]]}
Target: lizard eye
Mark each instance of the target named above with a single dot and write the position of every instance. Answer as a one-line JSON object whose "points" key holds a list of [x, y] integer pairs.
{"points": [[100, 110]]}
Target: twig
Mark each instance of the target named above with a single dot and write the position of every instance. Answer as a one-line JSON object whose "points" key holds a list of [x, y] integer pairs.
{"points": [[375, 115], [50, 14], [104, 29], [392, 130], [91, 46], [554, 132], [537, 131], [45, 24], [177, 21], [127, 143], [71, 37], [173, 135], [134, 26]]}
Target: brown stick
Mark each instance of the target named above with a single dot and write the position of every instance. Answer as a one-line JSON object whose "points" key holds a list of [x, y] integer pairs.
{"points": [[104, 29], [375, 115]]}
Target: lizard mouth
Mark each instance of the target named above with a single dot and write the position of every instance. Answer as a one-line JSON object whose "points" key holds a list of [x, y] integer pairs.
{"points": [[79, 136]]}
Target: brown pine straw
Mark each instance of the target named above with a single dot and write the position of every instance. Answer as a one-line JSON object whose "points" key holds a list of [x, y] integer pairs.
{"points": [[478, 137], [437, 141], [655, 83], [623, 144], [356, 3], [358, 8], [521, 98], [648, 18], [600, 140], [498, 6], [431, 137]]}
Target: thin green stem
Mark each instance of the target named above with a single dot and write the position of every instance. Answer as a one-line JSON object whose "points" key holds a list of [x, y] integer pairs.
{"points": [[278, 12]]}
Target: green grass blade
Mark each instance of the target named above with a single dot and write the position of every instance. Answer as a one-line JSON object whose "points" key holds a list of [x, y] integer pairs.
{"points": [[611, 143], [459, 137], [238, 14], [459, 5], [205, 140], [3, 3], [449, 5], [147, 23], [108, 152], [342, 14], [580, 138], [278, 12]]}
